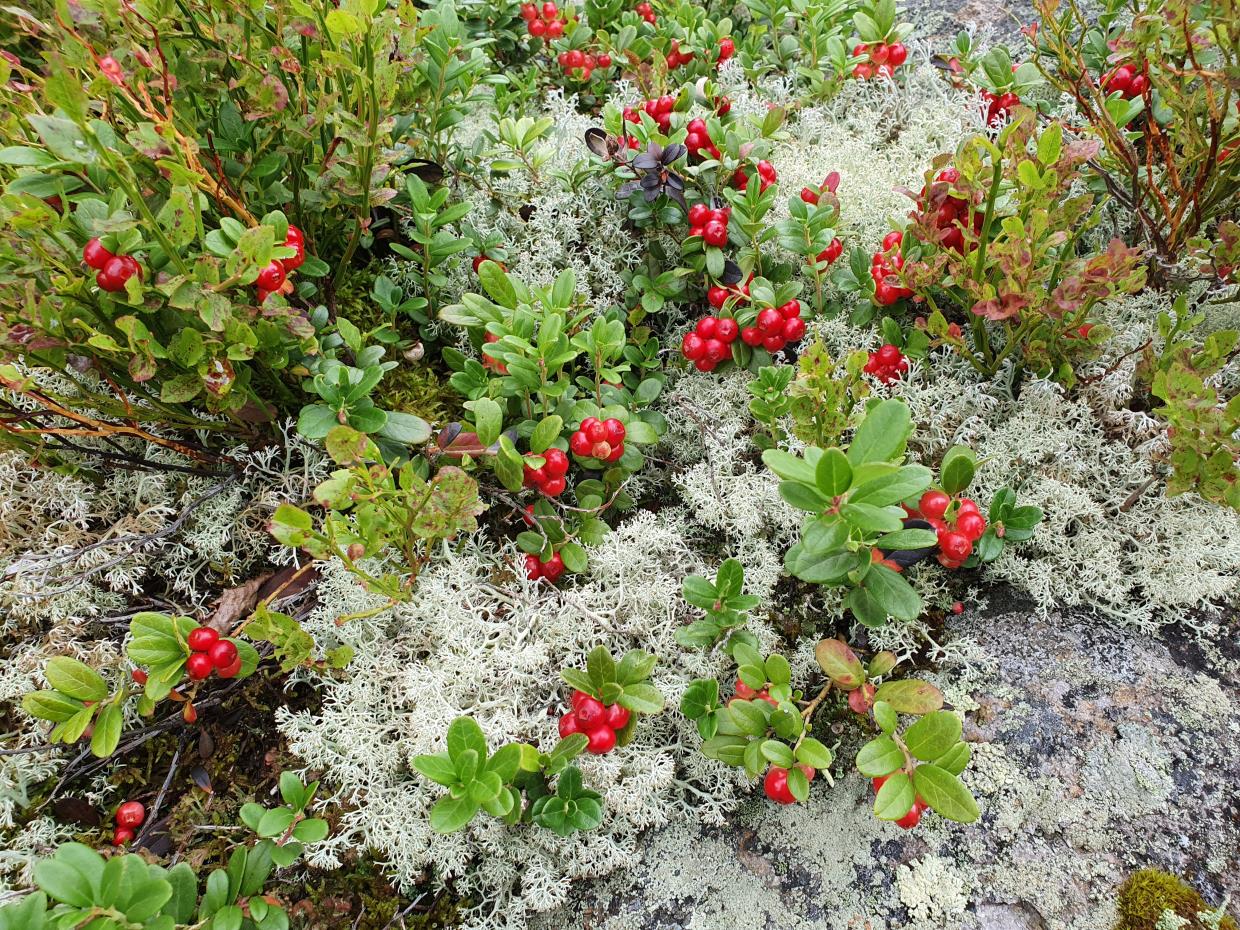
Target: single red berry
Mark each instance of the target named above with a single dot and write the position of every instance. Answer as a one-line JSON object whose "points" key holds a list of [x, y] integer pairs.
{"points": [[776, 786], [910, 820], [889, 354], [95, 255], [773, 343], [790, 309], [957, 607], [770, 321], [553, 568], [130, 814], [139, 676], [693, 346], [699, 213], [743, 691], [529, 11], [556, 463], [554, 487], [122, 836], [704, 364], [537, 28], [794, 329], [707, 327], [550, 10], [555, 28], [272, 276], [616, 452], [751, 336], [602, 740], [533, 567], [202, 638], [934, 504], [967, 504], [892, 239], [569, 724], [615, 430], [590, 711], [116, 272], [717, 296], [766, 171], [715, 234], [604, 61], [594, 429], [574, 58], [617, 717], [223, 654], [199, 665], [897, 54], [879, 782], [727, 330], [955, 546], [727, 48], [580, 443], [716, 350], [231, 670], [971, 524], [879, 53]]}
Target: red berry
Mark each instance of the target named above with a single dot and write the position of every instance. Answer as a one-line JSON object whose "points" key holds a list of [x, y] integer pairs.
{"points": [[602, 740], [911, 819], [715, 233], [957, 607], [595, 430], [139, 676], [550, 10], [716, 351], [879, 53], [770, 321], [727, 330], [617, 717], [537, 28], [766, 171], [706, 327], [604, 61], [933, 504], [202, 639], [121, 836], [833, 251], [574, 58], [615, 431], [790, 309], [590, 711], [533, 567], [580, 443], [897, 54], [776, 786], [699, 213], [889, 354], [704, 364], [130, 814], [553, 568], [809, 195], [569, 724], [555, 28], [879, 782], [616, 452], [554, 487], [751, 336], [556, 463], [223, 654], [794, 329], [727, 48], [116, 272], [95, 255], [199, 666], [971, 524], [955, 546], [773, 343], [272, 276], [717, 296], [230, 671], [967, 504], [892, 239], [693, 346], [529, 11]]}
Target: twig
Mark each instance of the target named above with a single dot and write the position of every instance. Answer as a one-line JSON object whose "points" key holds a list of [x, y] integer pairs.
{"points": [[159, 798]]}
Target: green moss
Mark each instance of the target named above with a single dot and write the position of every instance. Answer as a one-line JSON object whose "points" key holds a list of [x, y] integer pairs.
{"points": [[1146, 894]]}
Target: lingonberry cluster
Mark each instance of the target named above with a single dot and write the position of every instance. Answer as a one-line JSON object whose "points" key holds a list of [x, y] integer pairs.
{"points": [[129, 816], [598, 439], [646, 12], [549, 476], [913, 817], [273, 275], [829, 185], [718, 295], [998, 106], [598, 721], [710, 224], [1126, 81], [112, 271], [543, 22], [551, 569], [766, 176], [882, 59], [958, 523], [952, 210], [746, 693], [776, 783], [775, 327], [882, 266], [675, 57], [209, 653], [709, 342], [581, 64], [659, 109], [698, 139], [887, 364]]}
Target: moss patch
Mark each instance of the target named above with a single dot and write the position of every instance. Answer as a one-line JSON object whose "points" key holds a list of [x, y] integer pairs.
{"points": [[1146, 894]]}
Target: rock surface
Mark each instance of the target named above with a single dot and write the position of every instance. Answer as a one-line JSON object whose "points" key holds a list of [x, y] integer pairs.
{"points": [[1097, 751]]}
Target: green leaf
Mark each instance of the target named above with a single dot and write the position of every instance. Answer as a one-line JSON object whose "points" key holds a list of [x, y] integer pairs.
{"points": [[545, 433], [879, 757], [107, 732], [798, 784], [488, 420], [437, 767], [840, 664], [451, 814], [823, 568], [641, 698], [635, 666], [945, 793], [886, 718], [933, 735], [955, 759], [910, 696], [729, 579], [64, 139], [496, 283], [790, 467], [959, 466], [881, 435], [872, 519], [405, 428], [895, 798], [75, 679], [802, 496], [316, 420], [71, 875], [891, 488], [907, 539], [574, 557], [777, 753], [465, 734], [892, 593], [50, 705], [833, 474], [813, 753]]}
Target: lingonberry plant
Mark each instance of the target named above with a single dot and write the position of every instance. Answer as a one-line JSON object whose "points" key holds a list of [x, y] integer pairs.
{"points": [[724, 602], [863, 533]]}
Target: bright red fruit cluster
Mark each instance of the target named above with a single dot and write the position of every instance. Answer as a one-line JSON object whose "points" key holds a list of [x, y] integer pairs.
{"points": [[598, 439], [676, 58], [913, 817], [711, 225], [598, 721], [775, 327], [273, 275], [883, 59], [548, 477], [1126, 81], [887, 364], [659, 109], [581, 64], [998, 106], [551, 569], [129, 816], [829, 185], [882, 266], [112, 270], [766, 176], [951, 210], [746, 693], [550, 25], [210, 654], [698, 138], [776, 783], [959, 524], [646, 12], [709, 343]]}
